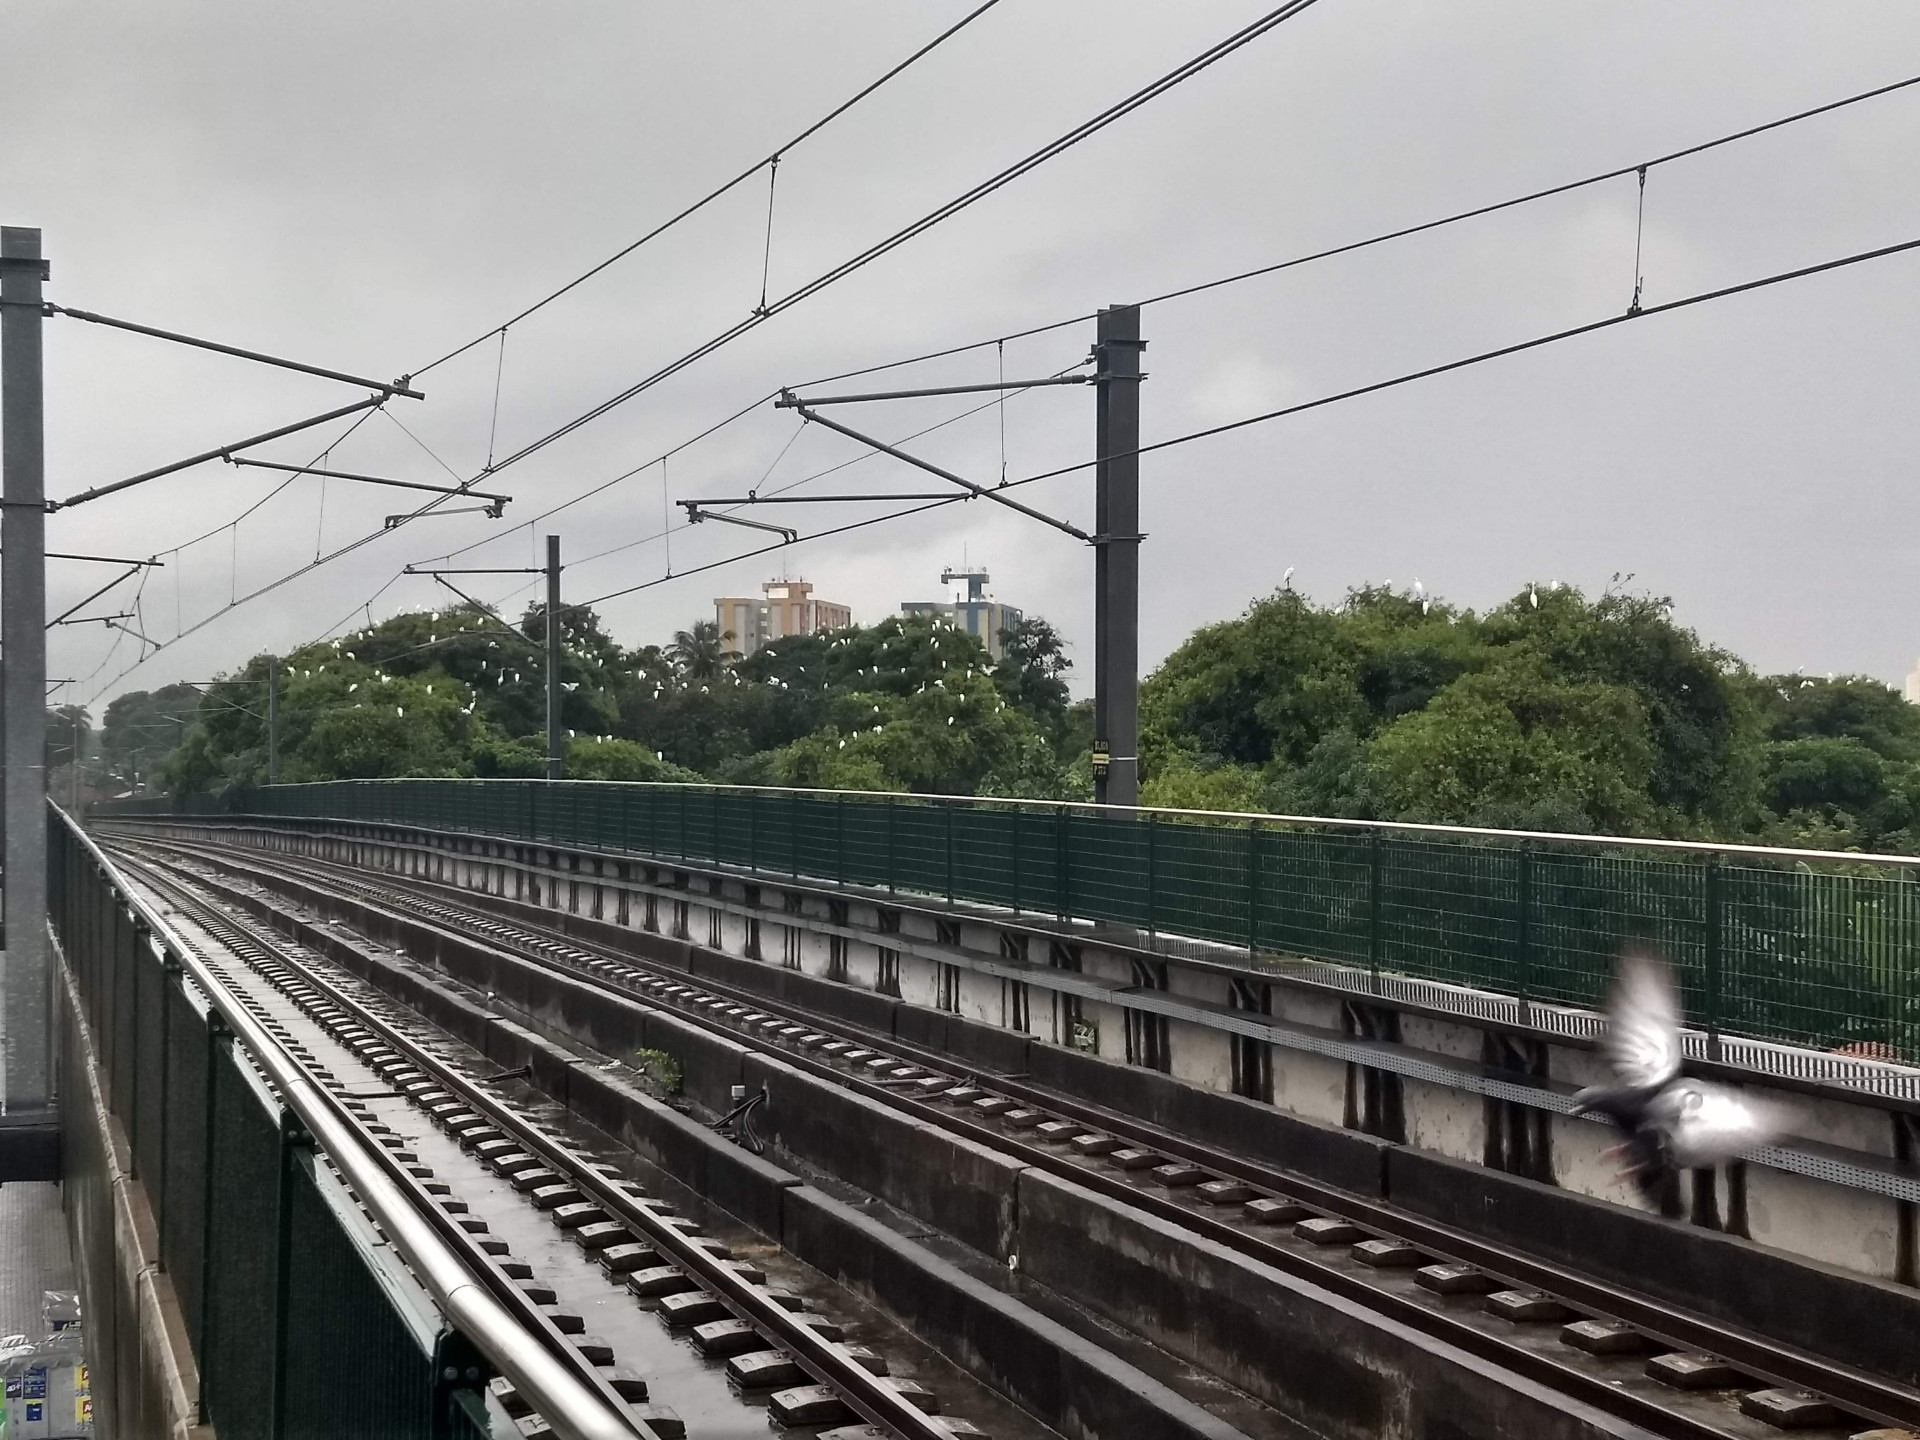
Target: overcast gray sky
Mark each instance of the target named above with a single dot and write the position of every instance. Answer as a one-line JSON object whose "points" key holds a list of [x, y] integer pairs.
{"points": [[366, 186]]}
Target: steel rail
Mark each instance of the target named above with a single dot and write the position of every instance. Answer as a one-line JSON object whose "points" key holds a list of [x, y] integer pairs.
{"points": [[1870, 1396], [827, 1361], [509, 1295], [573, 1410]]}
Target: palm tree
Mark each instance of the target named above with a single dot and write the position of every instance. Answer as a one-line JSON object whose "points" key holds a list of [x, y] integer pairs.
{"points": [[699, 654]]}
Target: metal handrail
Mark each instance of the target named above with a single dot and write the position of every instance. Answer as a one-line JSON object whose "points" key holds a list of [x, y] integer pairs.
{"points": [[569, 1407], [1701, 847]]}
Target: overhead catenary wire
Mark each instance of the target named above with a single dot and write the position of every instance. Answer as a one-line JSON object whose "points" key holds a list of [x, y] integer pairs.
{"points": [[745, 175], [1238, 277], [1053, 148], [1375, 387], [305, 569], [1384, 237], [1500, 352], [246, 513], [1639, 231], [766, 256], [499, 371]]}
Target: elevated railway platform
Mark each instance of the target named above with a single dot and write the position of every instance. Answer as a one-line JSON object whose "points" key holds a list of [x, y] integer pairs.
{"points": [[1053, 1172]]}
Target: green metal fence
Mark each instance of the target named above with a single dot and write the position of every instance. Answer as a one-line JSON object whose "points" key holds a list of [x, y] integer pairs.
{"points": [[299, 1319], [1800, 947]]}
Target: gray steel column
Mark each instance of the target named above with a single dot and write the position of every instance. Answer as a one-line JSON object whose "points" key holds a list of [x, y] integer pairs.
{"points": [[556, 750], [23, 686], [1116, 605]]}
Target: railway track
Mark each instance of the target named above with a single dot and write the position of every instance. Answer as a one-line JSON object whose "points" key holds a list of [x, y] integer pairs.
{"points": [[1667, 1370], [774, 1344]]}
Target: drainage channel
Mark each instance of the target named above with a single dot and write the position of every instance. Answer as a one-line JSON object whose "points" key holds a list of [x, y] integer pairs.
{"points": [[1658, 1374], [616, 1271]]}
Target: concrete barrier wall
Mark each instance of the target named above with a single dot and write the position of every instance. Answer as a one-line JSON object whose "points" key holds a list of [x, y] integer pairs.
{"points": [[1341, 1370]]}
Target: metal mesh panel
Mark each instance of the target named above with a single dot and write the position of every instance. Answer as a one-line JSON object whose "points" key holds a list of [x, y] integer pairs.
{"points": [[148, 1128], [123, 1013], [184, 1189], [340, 1324], [918, 852], [866, 824], [236, 1363], [817, 836], [982, 853], [1034, 860], [1313, 890], [1447, 910], [1587, 907], [1824, 957], [1196, 878], [1109, 873]]}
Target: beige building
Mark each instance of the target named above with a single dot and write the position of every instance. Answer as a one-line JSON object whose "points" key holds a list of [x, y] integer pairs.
{"points": [[1913, 685], [786, 607]]}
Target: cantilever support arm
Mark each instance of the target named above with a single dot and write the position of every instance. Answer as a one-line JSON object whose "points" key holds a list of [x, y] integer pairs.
{"points": [[402, 386], [481, 606], [979, 490], [695, 515], [137, 567], [143, 639], [497, 503], [790, 401], [369, 403], [92, 619]]}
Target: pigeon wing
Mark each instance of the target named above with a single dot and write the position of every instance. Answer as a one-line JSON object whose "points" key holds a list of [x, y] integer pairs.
{"points": [[1643, 1038], [1707, 1124]]}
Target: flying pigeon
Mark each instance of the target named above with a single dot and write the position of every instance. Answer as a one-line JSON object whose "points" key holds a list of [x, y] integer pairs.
{"points": [[1672, 1122]]}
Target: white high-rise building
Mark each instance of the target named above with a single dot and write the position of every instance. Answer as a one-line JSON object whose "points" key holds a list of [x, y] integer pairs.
{"points": [[980, 617], [1913, 684]]}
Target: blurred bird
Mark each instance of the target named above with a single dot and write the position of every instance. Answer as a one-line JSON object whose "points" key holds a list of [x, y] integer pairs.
{"points": [[1286, 580], [1672, 1122]]}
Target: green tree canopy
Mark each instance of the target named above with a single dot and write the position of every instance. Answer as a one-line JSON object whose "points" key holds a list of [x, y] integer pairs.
{"points": [[1551, 711]]}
